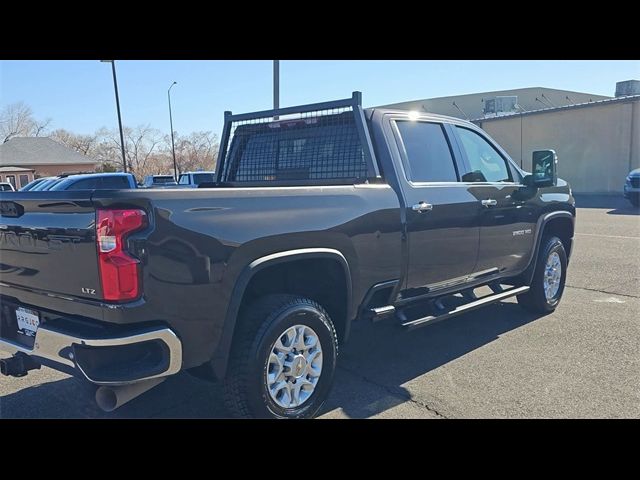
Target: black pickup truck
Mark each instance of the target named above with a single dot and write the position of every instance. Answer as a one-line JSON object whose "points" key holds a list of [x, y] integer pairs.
{"points": [[320, 215]]}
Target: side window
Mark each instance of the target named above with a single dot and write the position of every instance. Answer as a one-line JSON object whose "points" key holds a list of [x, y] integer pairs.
{"points": [[184, 179], [24, 180], [86, 184], [428, 153], [199, 178], [115, 182], [487, 165]]}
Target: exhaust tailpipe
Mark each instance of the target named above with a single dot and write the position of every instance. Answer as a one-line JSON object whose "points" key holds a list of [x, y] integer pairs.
{"points": [[109, 398]]}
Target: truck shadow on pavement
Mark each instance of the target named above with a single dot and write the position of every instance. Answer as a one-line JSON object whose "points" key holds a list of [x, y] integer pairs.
{"points": [[373, 367], [385, 358], [626, 210], [616, 204]]}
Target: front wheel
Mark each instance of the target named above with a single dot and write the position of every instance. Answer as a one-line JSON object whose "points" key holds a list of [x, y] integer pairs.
{"points": [[548, 279], [283, 359]]}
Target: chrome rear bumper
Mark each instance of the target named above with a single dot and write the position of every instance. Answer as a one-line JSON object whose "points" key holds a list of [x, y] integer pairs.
{"points": [[58, 347]]}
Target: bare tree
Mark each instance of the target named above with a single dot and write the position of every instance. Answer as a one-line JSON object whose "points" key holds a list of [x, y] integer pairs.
{"points": [[16, 120], [84, 144], [141, 145], [107, 148], [147, 150], [39, 127], [198, 150]]}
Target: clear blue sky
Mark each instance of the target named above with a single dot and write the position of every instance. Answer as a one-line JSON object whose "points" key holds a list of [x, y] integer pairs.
{"points": [[78, 95]]}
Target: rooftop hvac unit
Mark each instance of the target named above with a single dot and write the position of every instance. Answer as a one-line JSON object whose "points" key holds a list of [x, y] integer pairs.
{"points": [[629, 87], [496, 106]]}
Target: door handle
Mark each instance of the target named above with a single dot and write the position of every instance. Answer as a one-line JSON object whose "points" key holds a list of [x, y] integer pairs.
{"points": [[489, 202], [422, 207]]}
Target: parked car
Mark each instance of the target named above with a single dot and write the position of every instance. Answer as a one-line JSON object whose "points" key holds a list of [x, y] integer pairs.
{"points": [[632, 187], [317, 222], [83, 181], [194, 179], [45, 184], [6, 187], [159, 181], [32, 184], [96, 181]]}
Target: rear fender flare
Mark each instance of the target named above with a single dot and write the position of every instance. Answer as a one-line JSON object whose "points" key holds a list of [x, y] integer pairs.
{"points": [[221, 355]]}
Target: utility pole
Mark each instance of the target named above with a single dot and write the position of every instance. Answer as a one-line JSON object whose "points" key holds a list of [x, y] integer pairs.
{"points": [[115, 86], [173, 148]]}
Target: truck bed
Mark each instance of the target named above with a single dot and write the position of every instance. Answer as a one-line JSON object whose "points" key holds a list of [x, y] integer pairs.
{"points": [[195, 248]]}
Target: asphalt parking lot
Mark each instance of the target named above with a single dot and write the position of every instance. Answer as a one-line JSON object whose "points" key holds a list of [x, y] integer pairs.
{"points": [[498, 362]]}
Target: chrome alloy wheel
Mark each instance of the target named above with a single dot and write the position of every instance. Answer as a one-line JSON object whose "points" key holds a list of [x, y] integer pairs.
{"points": [[294, 366], [552, 276]]}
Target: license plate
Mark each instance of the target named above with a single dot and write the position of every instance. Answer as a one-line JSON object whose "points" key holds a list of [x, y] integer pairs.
{"points": [[28, 321]]}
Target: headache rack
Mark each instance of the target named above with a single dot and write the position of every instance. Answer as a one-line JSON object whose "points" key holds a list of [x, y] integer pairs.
{"points": [[324, 143]]}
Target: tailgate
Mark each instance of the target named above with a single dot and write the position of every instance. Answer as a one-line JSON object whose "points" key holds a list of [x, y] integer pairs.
{"points": [[48, 242]]}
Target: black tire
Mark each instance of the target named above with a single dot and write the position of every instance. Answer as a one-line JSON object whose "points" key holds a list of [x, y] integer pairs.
{"points": [[535, 299], [245, 388]]}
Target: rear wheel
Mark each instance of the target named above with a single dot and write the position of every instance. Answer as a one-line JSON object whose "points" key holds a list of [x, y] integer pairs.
{"points": [[548, 279], [283, 359]]}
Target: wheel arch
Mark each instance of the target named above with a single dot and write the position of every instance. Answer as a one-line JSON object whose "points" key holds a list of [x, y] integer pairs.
{"points": [[559, 222], [562, 227], [250, 272]]}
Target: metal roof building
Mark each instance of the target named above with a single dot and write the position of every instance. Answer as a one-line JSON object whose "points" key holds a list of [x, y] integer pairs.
{"points": [[597, 138], [476, 105]]}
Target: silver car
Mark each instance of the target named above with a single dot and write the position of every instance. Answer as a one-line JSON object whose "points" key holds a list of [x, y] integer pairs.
{"points": [[632, 187]]}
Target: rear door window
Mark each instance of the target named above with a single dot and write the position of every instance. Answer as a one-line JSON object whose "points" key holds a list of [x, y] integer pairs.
{"points": [[427, 152]]}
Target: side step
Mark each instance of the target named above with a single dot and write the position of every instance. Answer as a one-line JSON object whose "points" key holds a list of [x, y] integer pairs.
{"points": [[481, 302], [380, 313]]}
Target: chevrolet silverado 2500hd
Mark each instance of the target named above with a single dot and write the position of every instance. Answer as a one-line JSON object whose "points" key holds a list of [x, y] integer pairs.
{"points": [[320, 215]]}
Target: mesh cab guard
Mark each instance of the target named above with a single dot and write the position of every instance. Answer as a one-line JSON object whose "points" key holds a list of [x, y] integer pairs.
{"points": [[321, 143]]}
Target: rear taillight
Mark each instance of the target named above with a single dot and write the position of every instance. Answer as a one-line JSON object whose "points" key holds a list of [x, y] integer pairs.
{"points": [[119, 273]]}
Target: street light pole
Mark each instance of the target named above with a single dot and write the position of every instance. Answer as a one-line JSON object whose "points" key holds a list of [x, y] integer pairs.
{"points": [[115, 86], [276, 86], [173, 148]]}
